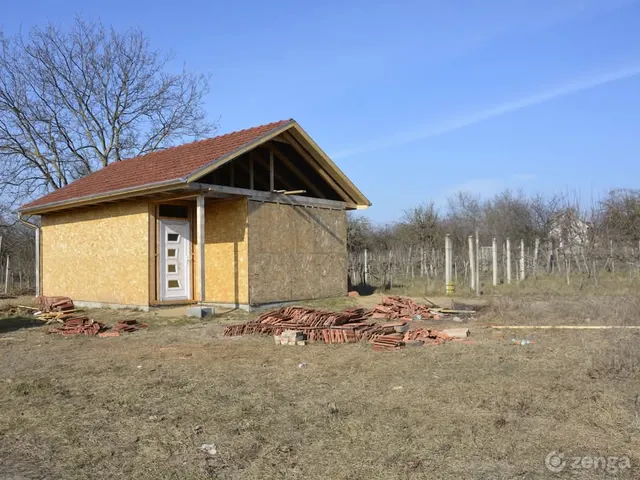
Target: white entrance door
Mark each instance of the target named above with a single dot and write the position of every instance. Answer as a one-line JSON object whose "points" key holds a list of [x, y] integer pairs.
{"points": [[175, 260]]}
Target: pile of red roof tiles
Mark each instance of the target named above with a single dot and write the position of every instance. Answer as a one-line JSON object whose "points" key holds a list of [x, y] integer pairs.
{"points": [[352, 332], [62, 310], [420, 336], [78, 325], [401, 308], [54, 304], [349, 326], [129, 326], [123, 326], [427, 336], [392, 341], [297, 318], [82, 325]]}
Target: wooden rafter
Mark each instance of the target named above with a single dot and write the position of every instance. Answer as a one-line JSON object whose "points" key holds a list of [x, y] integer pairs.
{"points": [[296, 171], [304, 140], [313, 162]]}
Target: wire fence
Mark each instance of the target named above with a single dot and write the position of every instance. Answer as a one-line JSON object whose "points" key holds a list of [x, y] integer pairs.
{"points": [[512, 261]]}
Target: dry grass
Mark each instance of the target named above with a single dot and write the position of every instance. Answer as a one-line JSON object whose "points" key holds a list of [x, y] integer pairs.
{"points": [[138, 406]]}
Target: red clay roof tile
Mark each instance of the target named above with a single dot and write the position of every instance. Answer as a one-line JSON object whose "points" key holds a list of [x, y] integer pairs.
{"points": [[164, 165]]}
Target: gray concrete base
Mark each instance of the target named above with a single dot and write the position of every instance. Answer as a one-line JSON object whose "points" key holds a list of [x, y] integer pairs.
{"points": [[239, 306], [119, 306], [272, 305], [253, 308], [200, 311]]}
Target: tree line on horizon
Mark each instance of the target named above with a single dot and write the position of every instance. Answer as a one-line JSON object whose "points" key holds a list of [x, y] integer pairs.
{"points": [[570, 237]]}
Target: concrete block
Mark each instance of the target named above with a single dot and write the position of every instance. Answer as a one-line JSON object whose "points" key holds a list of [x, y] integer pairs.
{"points": [[200, 311]]}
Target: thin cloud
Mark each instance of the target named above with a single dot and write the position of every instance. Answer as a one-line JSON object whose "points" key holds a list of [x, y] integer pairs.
{"points": [[466, 120]]}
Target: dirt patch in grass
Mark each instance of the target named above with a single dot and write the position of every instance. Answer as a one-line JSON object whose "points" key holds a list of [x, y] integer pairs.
{"points": [[140, 405]]}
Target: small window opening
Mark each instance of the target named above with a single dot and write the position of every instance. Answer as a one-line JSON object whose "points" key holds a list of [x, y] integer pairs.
{"points": [[173, 211]]}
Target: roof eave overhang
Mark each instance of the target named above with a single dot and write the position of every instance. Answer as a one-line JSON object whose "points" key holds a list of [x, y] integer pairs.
{"points": [[357, 196], [354, 199], [104, 197]]}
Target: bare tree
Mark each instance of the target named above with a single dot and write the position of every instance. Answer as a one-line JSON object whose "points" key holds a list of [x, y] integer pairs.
{"points": [[16, 244], [421, 225], [620, 215], [556, 231], [73, 102]]}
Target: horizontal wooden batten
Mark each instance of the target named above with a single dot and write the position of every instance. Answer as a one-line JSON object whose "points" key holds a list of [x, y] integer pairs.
{"points": [[271, 197], [116, 195]]}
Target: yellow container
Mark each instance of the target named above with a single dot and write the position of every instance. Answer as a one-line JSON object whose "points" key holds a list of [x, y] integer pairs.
{"points": [[450, 289]]}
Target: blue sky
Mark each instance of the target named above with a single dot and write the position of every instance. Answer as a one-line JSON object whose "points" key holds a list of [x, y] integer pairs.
{"points": [[414, 100]]}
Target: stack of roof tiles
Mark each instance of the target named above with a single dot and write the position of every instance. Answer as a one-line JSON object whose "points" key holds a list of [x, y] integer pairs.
{"points": [[54, 304], [391, 341], [349, 326], [297, 318], [427, 336], [129, 326], [330, 327], [401, 308]]}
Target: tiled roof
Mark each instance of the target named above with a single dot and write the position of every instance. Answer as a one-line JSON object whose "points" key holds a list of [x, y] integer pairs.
{"points": [[162, 166]]}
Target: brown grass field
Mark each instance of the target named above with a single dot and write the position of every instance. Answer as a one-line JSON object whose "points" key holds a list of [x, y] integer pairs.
{"points": [[140, 405]]}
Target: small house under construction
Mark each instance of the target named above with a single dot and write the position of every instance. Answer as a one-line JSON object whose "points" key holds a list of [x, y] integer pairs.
{"points": [[252, 217]]}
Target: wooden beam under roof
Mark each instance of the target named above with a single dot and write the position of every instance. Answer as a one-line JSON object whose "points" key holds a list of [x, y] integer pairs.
{"points": [[271, 197]]}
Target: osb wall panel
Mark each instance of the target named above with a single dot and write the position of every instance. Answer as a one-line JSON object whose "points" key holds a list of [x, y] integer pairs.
{"points": [[296, 253], [98, 254], [226, 251]]}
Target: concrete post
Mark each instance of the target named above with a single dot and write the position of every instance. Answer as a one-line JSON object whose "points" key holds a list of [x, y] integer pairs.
{"points": [[536, 252], [494, 252], [522, 266], [477, 263], [447, 262], [472, 265], [508, 260], [6, 277]]}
